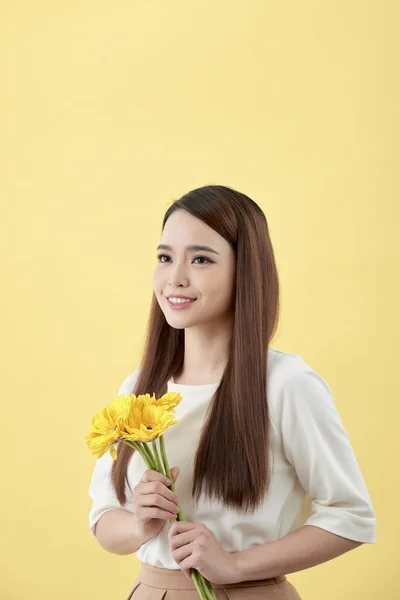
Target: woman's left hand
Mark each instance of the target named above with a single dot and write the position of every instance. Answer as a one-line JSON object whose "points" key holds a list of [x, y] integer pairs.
{"points": [[193, 546]]}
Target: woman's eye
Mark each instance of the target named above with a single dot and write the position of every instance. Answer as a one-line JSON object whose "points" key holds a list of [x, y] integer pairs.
{"points": [[203, 258], [160, 256]]}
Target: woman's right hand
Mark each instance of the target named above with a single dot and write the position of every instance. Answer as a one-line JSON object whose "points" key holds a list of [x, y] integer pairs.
{"points": [[154, 503]]}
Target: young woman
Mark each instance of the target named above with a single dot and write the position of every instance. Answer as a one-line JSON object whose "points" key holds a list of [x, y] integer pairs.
{"points": [[257, 428]]}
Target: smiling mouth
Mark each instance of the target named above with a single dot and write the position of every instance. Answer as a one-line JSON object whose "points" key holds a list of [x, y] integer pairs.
{"points": [[182, 301]]}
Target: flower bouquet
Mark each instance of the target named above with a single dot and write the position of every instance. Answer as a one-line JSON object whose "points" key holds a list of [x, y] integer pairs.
{"points": [[138, 421]]}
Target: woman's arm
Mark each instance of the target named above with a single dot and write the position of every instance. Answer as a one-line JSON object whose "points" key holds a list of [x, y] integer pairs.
{"points": [[306, 547], [116, 532]]}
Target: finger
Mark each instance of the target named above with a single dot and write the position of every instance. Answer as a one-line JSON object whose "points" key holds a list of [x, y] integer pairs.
{"points": [[154, 482], [180, 527], [175, 473], [181, 554], [152, 512], [181, 539], [158, 501], [188, 563], [156, 487], [151, 475]]}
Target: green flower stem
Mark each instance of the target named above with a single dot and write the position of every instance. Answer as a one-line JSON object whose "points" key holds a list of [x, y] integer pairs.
{"points": [[138, 446], [199, 584], [210, 594], [157, 456], [153, 462], [203, 586], [165, 462], [149, 453], [167, 470]]}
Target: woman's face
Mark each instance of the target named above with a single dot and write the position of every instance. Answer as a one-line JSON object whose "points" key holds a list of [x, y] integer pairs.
{"points": [[207, 276]]}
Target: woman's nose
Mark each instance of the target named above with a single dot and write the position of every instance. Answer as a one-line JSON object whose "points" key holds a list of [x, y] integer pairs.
{"points": [[177, 275]]}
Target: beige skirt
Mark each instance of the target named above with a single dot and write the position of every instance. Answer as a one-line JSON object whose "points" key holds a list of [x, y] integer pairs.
{"points": [[154, 583]]}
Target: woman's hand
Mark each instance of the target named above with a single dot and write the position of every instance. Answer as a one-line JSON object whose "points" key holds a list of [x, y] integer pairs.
{"points": [[193, 546], [154, 503]]}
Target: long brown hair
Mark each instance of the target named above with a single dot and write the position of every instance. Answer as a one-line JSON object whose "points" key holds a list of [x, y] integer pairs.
{"points": [[232, 463]]}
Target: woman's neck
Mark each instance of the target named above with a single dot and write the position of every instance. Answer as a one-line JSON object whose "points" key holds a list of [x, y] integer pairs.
{"points": [[196, 378]]}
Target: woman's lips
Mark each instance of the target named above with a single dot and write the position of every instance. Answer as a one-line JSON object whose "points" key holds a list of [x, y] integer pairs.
{"points": [[181, 305]]}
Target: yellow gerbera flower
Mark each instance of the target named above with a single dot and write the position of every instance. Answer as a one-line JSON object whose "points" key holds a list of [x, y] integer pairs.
{"points": [[122, 406], [104, 432], [146, 421], [107, 426], [133, 418], [169, 400]]}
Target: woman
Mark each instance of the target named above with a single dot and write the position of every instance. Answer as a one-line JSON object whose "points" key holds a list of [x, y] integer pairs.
{"points": [[257, 427]]}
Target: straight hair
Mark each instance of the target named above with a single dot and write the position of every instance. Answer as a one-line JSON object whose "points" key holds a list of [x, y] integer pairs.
{"points": [[233, 461]]}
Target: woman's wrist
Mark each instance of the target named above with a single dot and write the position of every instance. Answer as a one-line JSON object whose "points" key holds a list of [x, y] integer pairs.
{"points": [[236, 567]]}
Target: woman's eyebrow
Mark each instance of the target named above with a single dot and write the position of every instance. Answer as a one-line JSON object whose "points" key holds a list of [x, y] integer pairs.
{"points": [[193, 248]]}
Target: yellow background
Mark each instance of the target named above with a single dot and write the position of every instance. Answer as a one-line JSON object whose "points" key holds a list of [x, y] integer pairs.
{"points": [[110, 110]]}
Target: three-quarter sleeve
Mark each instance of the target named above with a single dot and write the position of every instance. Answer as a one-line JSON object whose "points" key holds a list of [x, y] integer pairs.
{"points": [[317, 445], [101, 490]]}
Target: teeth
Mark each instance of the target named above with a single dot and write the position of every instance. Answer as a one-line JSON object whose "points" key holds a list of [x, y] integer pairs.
{"points": [[179, 300]]}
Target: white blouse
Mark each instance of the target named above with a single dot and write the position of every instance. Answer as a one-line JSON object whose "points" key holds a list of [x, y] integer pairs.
{"points": [[312, 456]]}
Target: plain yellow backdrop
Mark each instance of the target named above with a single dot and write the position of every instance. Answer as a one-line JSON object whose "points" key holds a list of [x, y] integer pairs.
{"points": [[110, 111]]}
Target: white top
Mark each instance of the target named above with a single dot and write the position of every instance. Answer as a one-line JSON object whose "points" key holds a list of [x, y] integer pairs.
{"points": [[312, 455]]}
